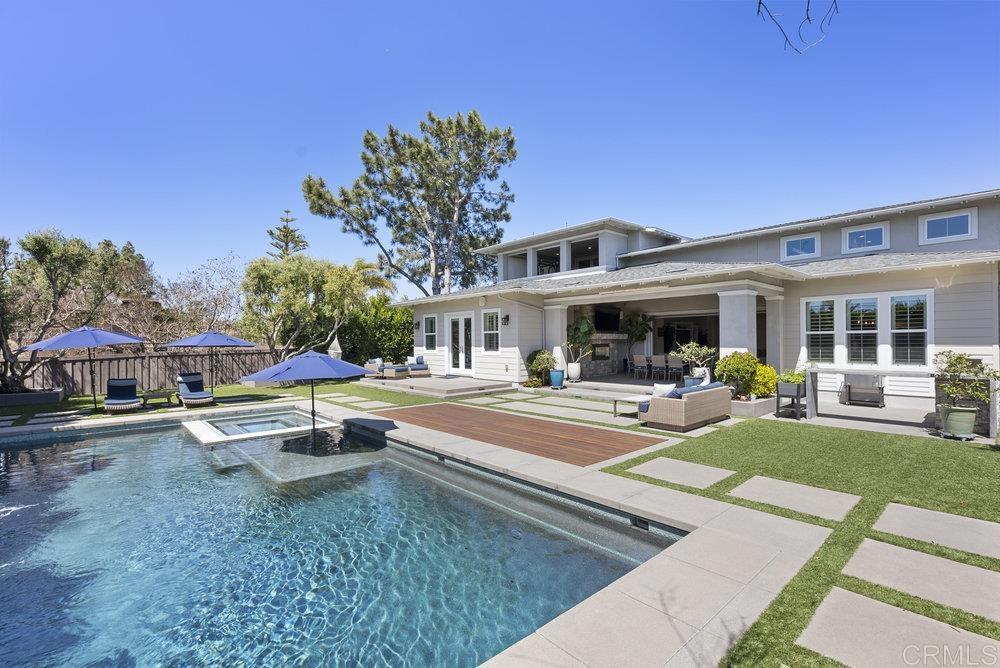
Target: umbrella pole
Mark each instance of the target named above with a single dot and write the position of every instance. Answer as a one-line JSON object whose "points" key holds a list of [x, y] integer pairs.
{"points": [[211, 368], [312, 393], [93, 382]]}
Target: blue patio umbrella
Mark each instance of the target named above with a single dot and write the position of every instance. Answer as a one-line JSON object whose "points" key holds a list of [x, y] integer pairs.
{"points": [[85, 337], [211, 339], [311, 366]]}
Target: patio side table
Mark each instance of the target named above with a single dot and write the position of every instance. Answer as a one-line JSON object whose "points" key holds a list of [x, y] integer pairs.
{"points": [[634, 399]]}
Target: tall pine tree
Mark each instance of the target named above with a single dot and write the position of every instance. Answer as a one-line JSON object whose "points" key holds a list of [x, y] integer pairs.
{"points": [[285, 239]]}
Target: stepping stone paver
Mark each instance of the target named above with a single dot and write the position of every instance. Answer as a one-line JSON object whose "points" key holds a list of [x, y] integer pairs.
{"points": [[682, 473], [586, 404], [369, 405], [517, 395], [807, 499], [483, 401], [572, 413], [954, 531], [352, 399], [331, 395], [700, 431], [944, 581], [861, 632], [729, 422]]}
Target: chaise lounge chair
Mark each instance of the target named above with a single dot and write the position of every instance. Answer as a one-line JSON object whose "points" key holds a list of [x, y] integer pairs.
{"points": [[122, 396], [191, 390]]}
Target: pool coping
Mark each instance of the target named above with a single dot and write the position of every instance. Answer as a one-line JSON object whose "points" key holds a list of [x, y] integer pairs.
{"points": [[686, 606]]}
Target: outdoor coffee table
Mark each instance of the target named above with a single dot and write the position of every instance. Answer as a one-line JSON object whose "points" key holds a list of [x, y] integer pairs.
{"points": [[634, 399], [157, 394]]}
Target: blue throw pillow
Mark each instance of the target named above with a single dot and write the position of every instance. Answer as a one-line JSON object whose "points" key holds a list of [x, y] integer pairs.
{"points": [[420, 359], [712, 386], [681, 391], [644, 407]]}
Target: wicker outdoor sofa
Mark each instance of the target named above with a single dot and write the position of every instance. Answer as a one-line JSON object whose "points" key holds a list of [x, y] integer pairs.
{"points": [[691, 410]]}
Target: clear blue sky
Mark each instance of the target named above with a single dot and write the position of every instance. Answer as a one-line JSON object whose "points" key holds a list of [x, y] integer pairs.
{"points": [[187, 127]]}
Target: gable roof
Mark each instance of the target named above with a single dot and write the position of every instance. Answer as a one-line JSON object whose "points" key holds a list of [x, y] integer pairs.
{"points": [[892, 209], [573, 230]]}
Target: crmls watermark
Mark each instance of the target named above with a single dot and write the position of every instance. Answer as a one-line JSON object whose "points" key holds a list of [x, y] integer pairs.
{"points": [[951, 656]]}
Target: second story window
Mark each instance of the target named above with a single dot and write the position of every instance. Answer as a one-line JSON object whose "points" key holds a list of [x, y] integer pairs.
{"points": [[865, 238], [584, 253], [548, 260], [949, 226], [800, 247]]}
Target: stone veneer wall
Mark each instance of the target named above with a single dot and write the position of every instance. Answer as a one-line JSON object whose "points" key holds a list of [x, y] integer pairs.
{"points": [[593, 369]]}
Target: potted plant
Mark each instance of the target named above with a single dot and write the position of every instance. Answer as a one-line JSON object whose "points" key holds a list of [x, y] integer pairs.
{"points": [[635, 327], [963, 380], [579, 334], [698, 356], [541, 365], [792, 383]]}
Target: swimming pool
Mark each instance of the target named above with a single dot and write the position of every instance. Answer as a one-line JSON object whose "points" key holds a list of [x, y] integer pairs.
{"points": [[135, 549]]}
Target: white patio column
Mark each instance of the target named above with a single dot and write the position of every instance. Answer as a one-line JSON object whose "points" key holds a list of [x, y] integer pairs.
{"points": [[564, 258], [555, 326], [532, 262], [737, 321], [775, 330]]}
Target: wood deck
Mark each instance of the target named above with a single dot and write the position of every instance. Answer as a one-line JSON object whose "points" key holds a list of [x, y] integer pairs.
{"points": [[566, 442]]}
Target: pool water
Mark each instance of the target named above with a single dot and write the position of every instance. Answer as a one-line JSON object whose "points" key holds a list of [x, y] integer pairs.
{"points": [[249, 424], [134, 550]]}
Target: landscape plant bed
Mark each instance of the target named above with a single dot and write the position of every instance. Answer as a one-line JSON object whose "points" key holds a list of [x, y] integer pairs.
{"points": [[32, 397], [754, 407]]}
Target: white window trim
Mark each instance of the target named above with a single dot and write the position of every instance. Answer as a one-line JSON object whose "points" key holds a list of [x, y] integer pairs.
{"points": [[884, 330], [483, 332], [796, 237], [846, 231], [806, 331], [925, 330], [973, 214], [436, 334]]}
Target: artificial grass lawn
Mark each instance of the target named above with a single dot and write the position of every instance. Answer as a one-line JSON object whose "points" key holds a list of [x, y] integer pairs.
{"points": [[82, 402], [937, 474]]}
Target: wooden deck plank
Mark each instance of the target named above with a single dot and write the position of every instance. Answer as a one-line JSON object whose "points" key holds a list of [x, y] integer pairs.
{"points": [[571, 443]]}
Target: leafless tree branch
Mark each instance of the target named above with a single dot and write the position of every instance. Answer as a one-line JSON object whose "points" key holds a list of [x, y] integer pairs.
{"points": [[803, 44]]}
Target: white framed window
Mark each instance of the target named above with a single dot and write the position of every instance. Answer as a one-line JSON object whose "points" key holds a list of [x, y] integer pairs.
{"points": [[862, 330], [800, 247], [909, 330], [430, 332], [861, 238], [491, 331], [879, 330], [819, 330], [959, 225]]}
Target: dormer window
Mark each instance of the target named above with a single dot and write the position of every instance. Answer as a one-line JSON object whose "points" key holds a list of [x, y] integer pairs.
{"points": [[937, 228], [863, 238], [800, 247]]}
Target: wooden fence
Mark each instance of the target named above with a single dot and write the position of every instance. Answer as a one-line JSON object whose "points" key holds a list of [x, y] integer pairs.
{"points": [[153, 370]]}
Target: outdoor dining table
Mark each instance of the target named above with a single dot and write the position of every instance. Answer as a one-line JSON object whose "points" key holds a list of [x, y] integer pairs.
{"points": [[634, 399]]}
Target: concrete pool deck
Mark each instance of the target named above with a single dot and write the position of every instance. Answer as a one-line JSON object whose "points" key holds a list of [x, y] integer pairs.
{"points": [[686, 606]]}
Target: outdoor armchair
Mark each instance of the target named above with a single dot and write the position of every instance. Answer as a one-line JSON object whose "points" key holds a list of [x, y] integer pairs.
{"points": [[191, 390], [122, 395]]}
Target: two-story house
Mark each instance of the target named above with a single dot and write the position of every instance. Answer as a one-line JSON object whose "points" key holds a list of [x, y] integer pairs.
{"points": [[877, 289]]}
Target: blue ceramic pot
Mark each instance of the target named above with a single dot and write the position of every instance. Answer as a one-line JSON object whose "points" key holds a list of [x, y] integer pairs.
{"points": [[556, 378]]}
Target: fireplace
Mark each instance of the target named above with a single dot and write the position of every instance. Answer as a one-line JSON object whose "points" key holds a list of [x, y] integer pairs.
{"points": [[606, 358], [602, 352]]}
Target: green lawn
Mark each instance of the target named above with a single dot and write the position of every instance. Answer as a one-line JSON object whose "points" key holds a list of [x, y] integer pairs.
{"points": [[938, 474], [223, 391]]}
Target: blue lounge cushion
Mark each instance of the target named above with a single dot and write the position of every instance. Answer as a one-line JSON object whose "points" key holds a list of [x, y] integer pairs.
{"points": [[712, 385], [396, 367], [122, 390], [196, 395], [418, 367], [679, 392]]}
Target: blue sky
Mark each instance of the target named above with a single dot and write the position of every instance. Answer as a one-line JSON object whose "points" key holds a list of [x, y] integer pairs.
{"points": [[187, 127]]}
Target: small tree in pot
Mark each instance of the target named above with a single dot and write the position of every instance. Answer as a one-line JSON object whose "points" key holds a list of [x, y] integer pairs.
{"points": [[963, 380], [579, 334], [636, 326], [540, 363], [697, 355]]}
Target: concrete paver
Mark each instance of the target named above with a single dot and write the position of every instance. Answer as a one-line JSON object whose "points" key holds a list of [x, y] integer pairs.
{"points": [[944, 581], [807, 499], [681, 472], [740, 614], [721, 552], [861, 632], [371, 405], [534, 651], [675, 509], [585, 404], [954, 531], [483, 401], [515, 396], [571, 413], [612, 629]]}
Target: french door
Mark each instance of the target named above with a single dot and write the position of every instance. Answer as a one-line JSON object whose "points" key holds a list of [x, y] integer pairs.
{"points": [[459, 343]]}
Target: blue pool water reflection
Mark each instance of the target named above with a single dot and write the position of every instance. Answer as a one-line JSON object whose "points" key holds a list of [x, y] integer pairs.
{"points": [[134, 550]]}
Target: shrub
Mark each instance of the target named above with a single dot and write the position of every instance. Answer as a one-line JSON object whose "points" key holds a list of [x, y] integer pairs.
{"points": [[792, 376], [738, 369], [765, 381], [539, 363], [695, 353], [532, 381]]}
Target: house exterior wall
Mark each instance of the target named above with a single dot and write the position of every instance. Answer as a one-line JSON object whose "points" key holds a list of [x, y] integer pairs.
{"points": [[518, 338], [964, 315]]}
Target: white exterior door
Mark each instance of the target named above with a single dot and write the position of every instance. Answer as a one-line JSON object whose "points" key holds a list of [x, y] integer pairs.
{"points": [[459, 328]]}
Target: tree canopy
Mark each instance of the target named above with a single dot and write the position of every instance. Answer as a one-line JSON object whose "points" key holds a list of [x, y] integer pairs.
{"points": [[285, 239], [297, 303], [427, 201]]}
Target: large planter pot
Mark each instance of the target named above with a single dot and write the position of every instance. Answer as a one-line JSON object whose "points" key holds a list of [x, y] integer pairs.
{"points": [[573, 372], [957, 421], [702, 372], [556, 379], [32, 398], [753, 407], [792, 389]]}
